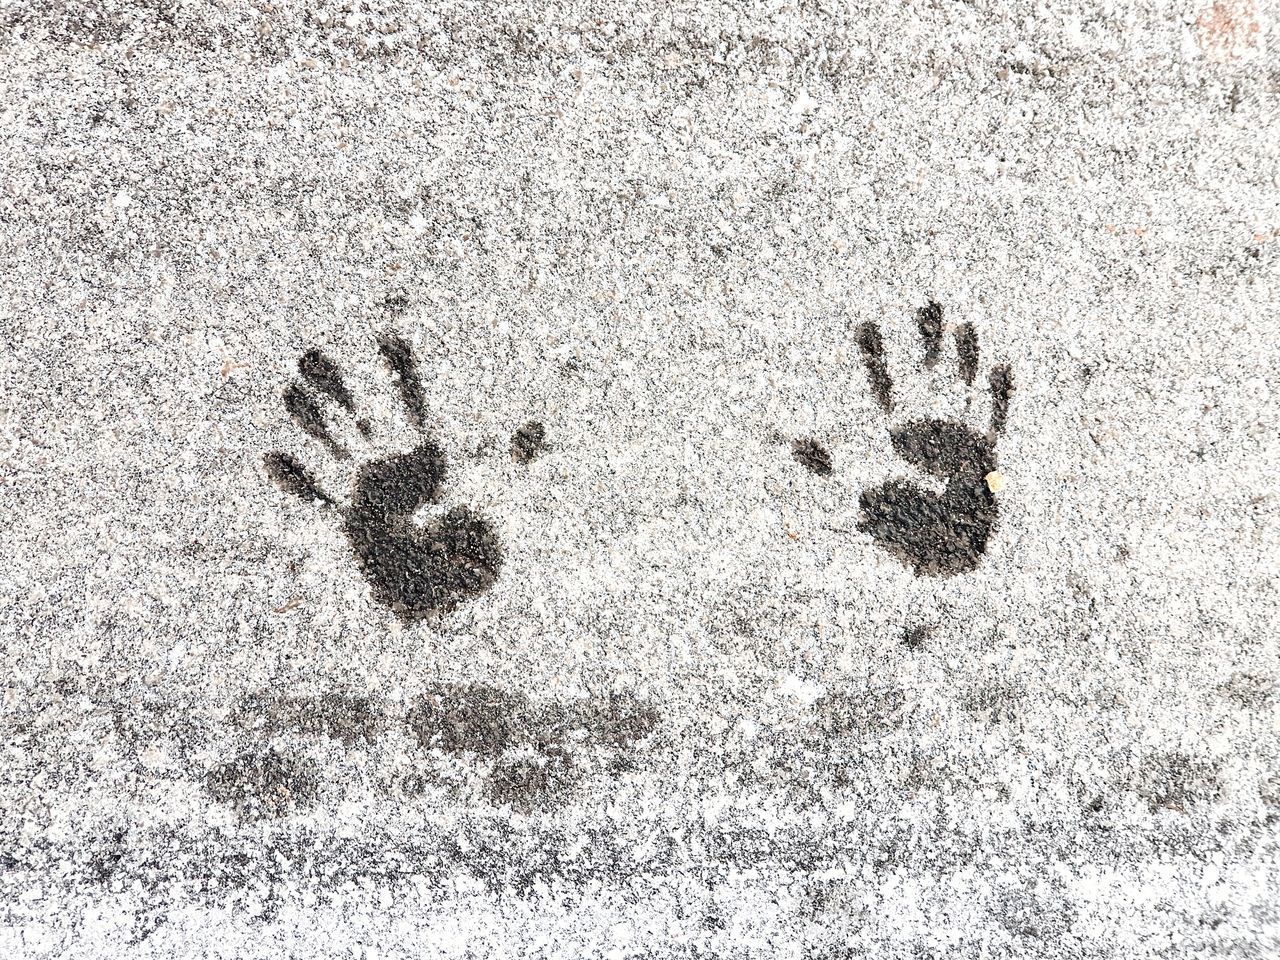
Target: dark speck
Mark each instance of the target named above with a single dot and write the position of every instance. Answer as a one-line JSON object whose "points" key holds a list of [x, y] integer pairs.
{"points": [[529, 441], [916, 637]]}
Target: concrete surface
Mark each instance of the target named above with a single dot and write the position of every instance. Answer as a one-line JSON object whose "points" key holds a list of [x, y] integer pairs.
{"points": [[693, 701]]}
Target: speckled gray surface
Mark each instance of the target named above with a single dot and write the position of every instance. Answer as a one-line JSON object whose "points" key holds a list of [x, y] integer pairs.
{"points": [[701, 711]]}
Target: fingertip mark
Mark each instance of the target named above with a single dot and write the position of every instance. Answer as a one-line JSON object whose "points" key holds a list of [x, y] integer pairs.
{"points": [[967, 351], [292, 477], [812, 455], [305, 411], [1001, 380], [871, 345], [323, 374], [529, 441], [398, 356], [929, 321]]}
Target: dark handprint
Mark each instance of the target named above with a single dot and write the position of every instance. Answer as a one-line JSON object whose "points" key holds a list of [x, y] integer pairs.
{"points": [[413, 568], [937, 534]]}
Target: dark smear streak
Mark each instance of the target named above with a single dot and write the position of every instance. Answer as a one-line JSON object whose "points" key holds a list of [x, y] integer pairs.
{"points": [[323, 374], [929, 320], [479, 718], [306, 413], [292, 477], [812, 455], [872, 346], [967, 351], [470, 718], [349, 718], [1001, 389], [398, 356], [270, 784]]}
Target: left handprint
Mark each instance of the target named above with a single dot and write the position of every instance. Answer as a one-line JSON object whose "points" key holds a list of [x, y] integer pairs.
{"points": [[413, 568]]}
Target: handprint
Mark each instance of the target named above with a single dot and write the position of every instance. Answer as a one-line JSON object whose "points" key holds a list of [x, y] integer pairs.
{"points": [[937, 534], [413, 568]]}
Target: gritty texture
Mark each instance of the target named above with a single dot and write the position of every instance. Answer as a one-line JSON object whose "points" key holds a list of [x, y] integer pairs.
{"points": [[303, 657]]}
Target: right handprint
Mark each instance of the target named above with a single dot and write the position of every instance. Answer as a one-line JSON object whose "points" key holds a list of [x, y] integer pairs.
{"points": [[937, 534]]}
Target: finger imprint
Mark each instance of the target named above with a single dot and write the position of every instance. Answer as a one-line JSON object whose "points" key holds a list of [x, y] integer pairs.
{"points": [[323, 375], [967, 351], [871, 344], [398, 356], [1001, 380], [306, 413], [292, 477], [929, 320]]}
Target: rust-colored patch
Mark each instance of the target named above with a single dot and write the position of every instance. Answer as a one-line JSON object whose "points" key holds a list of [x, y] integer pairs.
{"points": [[1229, 30]]}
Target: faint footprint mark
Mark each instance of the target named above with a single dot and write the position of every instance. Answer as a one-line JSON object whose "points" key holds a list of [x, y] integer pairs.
{"points": [[413, 568], [533, 750], [265, 784], [936, 534]]}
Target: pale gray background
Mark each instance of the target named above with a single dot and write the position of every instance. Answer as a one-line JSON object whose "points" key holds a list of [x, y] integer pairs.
{"points": [[652, 228]]}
